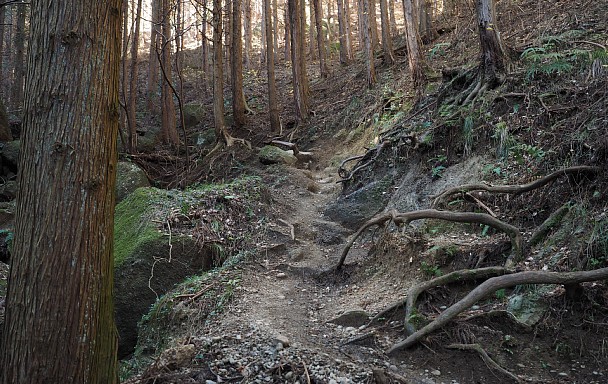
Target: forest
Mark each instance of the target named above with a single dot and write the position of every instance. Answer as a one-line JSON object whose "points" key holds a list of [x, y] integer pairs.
{"points": [[322, 191]]}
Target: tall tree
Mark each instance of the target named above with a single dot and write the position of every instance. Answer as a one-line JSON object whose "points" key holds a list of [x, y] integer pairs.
{"points": [[298, 59], [391, 10], [218, 73], [134, 69], [18, 60], [238, 99], [368, 42], [169, 126], [345, 46], [153, 62], [59, 325], [387, 40], [287, 32], [412, 39], [492, 61], [2, 23], [248, 32], [273, 105], [320, 38]]}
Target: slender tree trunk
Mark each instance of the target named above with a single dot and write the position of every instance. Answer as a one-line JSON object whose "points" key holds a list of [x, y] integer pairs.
{"points": [[412, 38], [297, 58], [2, 22], [153, 63], [132, 101], [218, 73], [228, 44], [287, 33], [124, 70], [248, 31], [275, 28], [205, 43], [169, 127], [493, 56], [320, 38], [238, 100], [391, 10], [349, 35], [59, 325], [8, 42], [368, 41], [387, 40], [263, 39], [273, 105], [373, 23], [311, 31], [344, 57], [424, 20], [18, 61]]}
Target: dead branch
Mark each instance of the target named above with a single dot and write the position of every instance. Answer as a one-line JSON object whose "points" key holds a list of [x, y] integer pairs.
{"points": [[486, 359], [452, 277], [461, 217], [513, 189], [493, 284]]}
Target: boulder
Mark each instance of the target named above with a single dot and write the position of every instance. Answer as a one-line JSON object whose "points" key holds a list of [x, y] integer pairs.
{"points": [[356, 208], [193, 114], [9, 152], [270, 154], [8, 190], [149, 260], [354, 317], [129, 177]]}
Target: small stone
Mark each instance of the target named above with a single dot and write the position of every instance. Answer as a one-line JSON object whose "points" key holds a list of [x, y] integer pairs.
{"points": [[562, 374], [281, 275], [278, 338], [210, 382], [436, 372], [475, 307]]}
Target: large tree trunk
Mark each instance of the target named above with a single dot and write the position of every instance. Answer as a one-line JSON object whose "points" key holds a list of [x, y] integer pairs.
{"points": [[238, 99], [300, 93], [18, 61], [344, 56], [169, 126], [59, 325], [248, 31], [320, 38], [132, 100], [414, 56], [391, 10], [153, 63], [273, 106], [492, 61], [387, 40]]}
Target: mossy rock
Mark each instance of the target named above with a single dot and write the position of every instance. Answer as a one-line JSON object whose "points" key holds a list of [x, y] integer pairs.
{"points": [[193, 114], [149, 261], [129, 177], [270, 154], [10, 153]]}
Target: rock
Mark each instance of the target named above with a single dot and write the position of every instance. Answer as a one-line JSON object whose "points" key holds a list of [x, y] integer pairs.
{"points": [[193, 114], [528, 309], [148, 138], [8, 190], [10, 154], [436, 372], [129, 177], [176, 357], [278, 338], [356, 208], [206, 138], [355, 317], [270, 154], [330, 233], [7, 214], [5, 130], [141, 246]]}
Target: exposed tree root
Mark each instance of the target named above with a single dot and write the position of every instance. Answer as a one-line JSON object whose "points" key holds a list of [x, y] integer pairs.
{"points": [[452, 277], [346, 176], [462, 217], [486, 359], [492, 285], [513, 189], [551, 222]]}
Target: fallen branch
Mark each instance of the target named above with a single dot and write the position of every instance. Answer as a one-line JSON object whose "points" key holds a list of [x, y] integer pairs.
{"points": [[486, 359], [460, 217], [513, 189], [493, 284]]}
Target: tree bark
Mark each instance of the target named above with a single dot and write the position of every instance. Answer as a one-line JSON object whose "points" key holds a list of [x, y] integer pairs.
{"points": [[218, 73], [2, 22], [59, 324], [287, 32], [344, 56], [387, 40], [320, 38], [273, 106], [248, 32], [391, 10]]}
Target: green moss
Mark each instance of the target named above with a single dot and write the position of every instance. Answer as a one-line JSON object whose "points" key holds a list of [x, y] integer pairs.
{"points": [[133, 224]]}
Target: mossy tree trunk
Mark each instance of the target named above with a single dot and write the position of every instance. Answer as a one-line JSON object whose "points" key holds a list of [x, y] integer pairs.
{"points": [[59, 318]]}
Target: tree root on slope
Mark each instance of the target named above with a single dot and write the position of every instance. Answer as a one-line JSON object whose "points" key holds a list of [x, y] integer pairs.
{"points": [[492, 285], [461, 217], [486, 359], [513, 189]]}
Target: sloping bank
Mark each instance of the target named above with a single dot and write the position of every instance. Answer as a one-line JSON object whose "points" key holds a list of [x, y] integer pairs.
{"points": [[162, 237]]}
